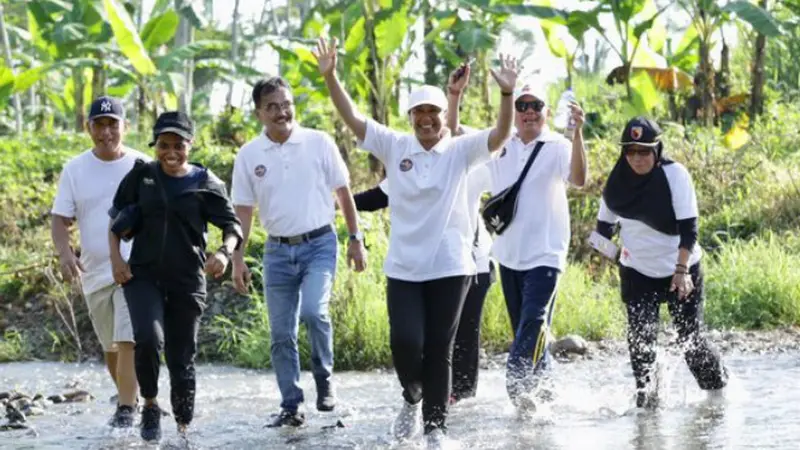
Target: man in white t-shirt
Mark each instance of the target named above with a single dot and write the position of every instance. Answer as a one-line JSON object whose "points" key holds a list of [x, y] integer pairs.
{"points": [[532, 250], [86, 186], [290, 172]]}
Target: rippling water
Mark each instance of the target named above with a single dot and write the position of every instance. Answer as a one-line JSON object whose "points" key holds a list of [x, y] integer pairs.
{"points": [[593, 410]]}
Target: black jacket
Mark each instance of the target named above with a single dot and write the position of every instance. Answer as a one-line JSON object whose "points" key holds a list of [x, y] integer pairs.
{"points": [[169, 241]]}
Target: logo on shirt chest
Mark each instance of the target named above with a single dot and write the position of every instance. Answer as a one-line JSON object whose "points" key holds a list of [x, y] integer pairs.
{"points": [[406, 165], [260, 170]]}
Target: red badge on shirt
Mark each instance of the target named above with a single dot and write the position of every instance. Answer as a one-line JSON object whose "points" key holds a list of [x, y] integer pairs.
{"points": [[406, 165], [260, 170]]}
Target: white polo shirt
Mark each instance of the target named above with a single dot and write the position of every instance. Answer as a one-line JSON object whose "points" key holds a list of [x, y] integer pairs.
{"points": [[291, 184], [86, 187], [478, 181], [431, 229], [539, 234], [647, 250]]}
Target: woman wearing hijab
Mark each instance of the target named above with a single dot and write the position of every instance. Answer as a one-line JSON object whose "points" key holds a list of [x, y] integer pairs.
{"points": [[653, 201]]}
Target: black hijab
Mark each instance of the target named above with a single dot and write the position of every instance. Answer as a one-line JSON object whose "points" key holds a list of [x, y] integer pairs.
{"points": [[646, 198]]}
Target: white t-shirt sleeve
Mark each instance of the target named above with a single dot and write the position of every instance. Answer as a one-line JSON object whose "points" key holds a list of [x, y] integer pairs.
{"points": [[605, 214], [384, 186], [474, 147], [564, 159], [64, 203], [336, 173], [684, 197], [379, 140], [242, 191]]}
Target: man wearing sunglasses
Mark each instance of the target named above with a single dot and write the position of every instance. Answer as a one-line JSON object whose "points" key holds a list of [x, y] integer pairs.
{"points": [[532, 251]]}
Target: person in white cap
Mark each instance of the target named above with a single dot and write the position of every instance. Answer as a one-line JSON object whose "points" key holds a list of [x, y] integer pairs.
{"points": [[429, 264], [532, 250]]}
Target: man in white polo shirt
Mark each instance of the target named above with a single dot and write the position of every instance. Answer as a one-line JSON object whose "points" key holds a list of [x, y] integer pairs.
{"points": [[85, 189], [532, 251], [429, 264], [289, 173]]}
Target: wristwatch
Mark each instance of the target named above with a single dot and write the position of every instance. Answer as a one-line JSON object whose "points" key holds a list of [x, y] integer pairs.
{"points": [[224, 250], [358, 236]]}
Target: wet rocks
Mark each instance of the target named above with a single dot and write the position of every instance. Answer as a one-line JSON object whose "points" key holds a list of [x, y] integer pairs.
{"points": [[569, 345], [78, 396], [19, 407]]}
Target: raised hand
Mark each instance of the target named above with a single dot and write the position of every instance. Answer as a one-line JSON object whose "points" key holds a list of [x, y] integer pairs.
{"points": [[459, 78], [506, 77], [326, 56]]}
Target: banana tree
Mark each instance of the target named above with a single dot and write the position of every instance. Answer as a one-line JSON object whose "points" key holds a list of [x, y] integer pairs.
{"points": [[708, 17], [9, 69]]}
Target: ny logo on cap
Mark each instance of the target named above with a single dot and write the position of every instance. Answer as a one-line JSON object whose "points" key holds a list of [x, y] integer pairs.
{"points": [[105, 106], [636, 133]]}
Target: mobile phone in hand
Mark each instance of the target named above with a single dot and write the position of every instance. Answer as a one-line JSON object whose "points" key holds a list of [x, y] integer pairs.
{"points": [[603, 245], [463, 68]]}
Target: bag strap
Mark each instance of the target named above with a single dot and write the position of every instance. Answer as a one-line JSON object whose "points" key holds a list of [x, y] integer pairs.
{"points": [[529, 163]]}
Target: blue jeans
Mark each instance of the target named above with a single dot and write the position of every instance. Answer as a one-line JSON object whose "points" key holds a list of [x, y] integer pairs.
{"points": [[530, 297], [298, 280]]}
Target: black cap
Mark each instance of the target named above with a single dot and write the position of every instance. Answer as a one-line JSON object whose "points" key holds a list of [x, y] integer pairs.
{"points": [[106, 106], [173, 122], [641, 131]]}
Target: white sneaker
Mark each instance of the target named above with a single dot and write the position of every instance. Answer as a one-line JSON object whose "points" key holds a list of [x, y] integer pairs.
{"points": [[408, 423], [437, 440]]}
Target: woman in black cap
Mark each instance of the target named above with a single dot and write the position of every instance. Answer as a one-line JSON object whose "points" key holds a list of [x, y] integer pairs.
{"points": [[167, 205], [653, 201]]}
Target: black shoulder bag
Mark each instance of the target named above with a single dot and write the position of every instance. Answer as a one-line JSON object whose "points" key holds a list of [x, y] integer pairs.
{"points": [[498, 212]]}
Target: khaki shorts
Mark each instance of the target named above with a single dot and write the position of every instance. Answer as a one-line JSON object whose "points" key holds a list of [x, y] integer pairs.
{"points": [[110, 317]]}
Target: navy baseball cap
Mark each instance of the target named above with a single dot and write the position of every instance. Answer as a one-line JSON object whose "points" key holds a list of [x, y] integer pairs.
{"points": [[173, 122], [106, 106], [641, 131]]}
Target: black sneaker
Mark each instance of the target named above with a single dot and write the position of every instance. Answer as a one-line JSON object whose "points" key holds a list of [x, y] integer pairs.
{"points": [[123, 417], [326, 399], [151, 423], [288, 419]]}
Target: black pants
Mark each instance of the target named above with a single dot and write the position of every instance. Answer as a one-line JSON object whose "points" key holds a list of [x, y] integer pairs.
{"points": [[423, 319], [643, 296], [466, 351], [165, 319]]}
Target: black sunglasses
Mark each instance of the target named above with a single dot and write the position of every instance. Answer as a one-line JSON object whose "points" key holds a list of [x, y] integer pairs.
{"points": [[639, 151], [522, 106]]}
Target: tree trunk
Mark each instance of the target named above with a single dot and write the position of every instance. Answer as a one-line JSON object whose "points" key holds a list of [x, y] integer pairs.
{"points": [[723, 82], [234, 48], [10, 65], [99, 79], [757, 92], [706, 84], [430, 50], [80, 114], [374, 76], [184, 37]]}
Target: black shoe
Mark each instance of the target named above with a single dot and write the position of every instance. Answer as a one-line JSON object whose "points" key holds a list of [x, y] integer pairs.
{"points": [[288, 419], [123, 417], [647, 400], [326, 398], [151, 423]]}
